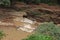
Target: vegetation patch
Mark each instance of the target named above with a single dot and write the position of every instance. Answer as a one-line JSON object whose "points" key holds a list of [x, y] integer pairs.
{"points": [[46, 31], [9, 2], [40, 1], [49, 28], [5, 2], [2, 34], [38, 37]]}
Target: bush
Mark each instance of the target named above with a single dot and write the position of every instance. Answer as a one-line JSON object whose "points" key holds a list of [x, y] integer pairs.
{"points": [[46, 31], [49, 29], [38, 37], [40, 33], [1, 35]]}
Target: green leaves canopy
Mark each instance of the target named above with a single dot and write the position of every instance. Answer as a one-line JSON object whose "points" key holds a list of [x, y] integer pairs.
{"points": [[5, 2]]}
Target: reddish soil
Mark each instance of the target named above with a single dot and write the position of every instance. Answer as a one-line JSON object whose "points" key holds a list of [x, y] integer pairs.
{"points": [[53, 12]]}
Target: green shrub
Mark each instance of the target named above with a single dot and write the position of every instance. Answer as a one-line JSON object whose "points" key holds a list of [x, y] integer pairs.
{"points": [[1, 35], [49, 29], [38, 37]]}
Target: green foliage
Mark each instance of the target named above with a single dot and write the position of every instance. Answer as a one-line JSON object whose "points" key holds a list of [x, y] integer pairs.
{"points": [[5, 2], [1, 35], [50, 2], [8, 2], [38, 37], [43, 1], [39, 1], [49, 29], [40, 33], [46, 31]]}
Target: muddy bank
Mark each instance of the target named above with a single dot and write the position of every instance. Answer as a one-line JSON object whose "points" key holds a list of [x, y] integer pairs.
{"points": [[13, 34]]}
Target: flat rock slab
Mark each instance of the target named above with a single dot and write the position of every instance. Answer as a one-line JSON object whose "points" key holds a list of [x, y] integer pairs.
{"points": [[24, 24]]}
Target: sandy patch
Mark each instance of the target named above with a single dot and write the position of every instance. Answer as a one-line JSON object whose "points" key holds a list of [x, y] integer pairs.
{"points": [[13, 34]]}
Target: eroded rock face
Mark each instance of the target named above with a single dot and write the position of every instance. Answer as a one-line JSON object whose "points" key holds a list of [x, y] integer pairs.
{"points": [[18, 14]]}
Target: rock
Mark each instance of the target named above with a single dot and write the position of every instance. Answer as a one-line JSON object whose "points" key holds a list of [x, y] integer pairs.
{"points": [[24, 24], [28, 21], [26, 28]]}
